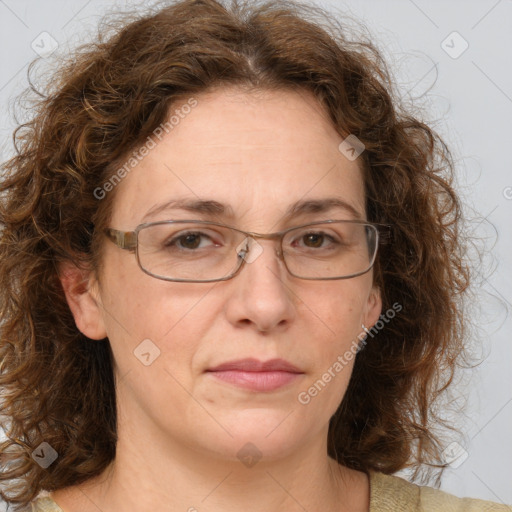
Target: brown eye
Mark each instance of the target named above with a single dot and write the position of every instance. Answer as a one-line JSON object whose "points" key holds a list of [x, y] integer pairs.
{"points": [[190, 241], [313, 239]]}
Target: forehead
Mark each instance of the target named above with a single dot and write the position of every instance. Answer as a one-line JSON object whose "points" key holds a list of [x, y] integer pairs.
{"points": [[256, 152]]}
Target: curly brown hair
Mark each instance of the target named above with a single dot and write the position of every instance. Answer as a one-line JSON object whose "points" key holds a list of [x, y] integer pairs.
{"points": [[104, 101]]}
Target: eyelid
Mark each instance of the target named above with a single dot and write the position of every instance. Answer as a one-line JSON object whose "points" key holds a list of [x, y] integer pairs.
{"points": [[283, 232]]}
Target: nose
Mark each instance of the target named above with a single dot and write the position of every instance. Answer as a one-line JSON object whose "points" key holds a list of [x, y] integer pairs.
{"points": [[261, 296]]}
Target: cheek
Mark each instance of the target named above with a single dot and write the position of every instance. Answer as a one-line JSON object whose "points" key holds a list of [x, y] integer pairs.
{"points": [[340, 307], [167, 320], [142, 305]]}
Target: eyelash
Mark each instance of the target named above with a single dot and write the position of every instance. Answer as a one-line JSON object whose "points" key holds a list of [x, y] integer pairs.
{"points": [[176, 239]]}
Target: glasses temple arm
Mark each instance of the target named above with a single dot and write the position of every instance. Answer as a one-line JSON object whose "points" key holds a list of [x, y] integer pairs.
{"points": [[385, 234], [123, 239]]}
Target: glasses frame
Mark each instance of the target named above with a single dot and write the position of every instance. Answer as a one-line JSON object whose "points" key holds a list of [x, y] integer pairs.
{"points": [[128, 240]]}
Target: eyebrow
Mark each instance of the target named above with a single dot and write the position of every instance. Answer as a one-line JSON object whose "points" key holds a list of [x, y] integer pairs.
{"points": [[322, 206], [211, 207], [206, 207]]}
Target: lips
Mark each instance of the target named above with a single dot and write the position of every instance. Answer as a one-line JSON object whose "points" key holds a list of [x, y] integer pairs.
{"points": [[253, 365], [256, 375]]}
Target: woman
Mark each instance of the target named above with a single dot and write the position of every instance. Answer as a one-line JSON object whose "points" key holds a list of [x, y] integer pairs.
{"points": [[231, 275]]}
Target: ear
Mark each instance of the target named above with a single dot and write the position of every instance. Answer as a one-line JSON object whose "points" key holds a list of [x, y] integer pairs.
{"points": [[373, 307], [81, 290]]}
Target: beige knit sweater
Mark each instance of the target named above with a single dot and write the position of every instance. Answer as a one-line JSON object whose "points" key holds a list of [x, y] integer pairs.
{"points": [[387, 494]]}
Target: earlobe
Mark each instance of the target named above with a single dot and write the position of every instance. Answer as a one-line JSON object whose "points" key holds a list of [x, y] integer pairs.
{"points": [[80, 289]]}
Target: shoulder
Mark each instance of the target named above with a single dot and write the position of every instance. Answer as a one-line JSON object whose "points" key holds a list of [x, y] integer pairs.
{"points": [[387, 494], [394, 494], [45, 504]]}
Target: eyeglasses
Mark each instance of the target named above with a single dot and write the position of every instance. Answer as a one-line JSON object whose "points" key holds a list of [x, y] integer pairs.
{"points": [[203, 251]]}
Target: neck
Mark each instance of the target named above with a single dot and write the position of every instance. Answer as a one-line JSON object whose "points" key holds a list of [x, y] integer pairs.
{"points": [[148, 476]]}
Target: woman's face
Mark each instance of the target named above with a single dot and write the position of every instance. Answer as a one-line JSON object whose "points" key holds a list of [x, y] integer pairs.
{"points": [[258, 155]]}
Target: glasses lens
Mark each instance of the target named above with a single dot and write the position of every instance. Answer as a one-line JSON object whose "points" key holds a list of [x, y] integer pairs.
{"points": [[188, 251], [330, 250], [192, 251]]}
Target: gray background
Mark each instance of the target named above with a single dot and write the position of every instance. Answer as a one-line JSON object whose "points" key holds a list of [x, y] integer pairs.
{"points": [[468, 96]]}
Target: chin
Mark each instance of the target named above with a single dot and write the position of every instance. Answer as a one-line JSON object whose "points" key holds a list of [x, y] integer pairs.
{"points": [[258, 434]]}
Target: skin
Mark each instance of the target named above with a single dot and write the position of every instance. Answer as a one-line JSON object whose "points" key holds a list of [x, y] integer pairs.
{"points": [[179, 428]]}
